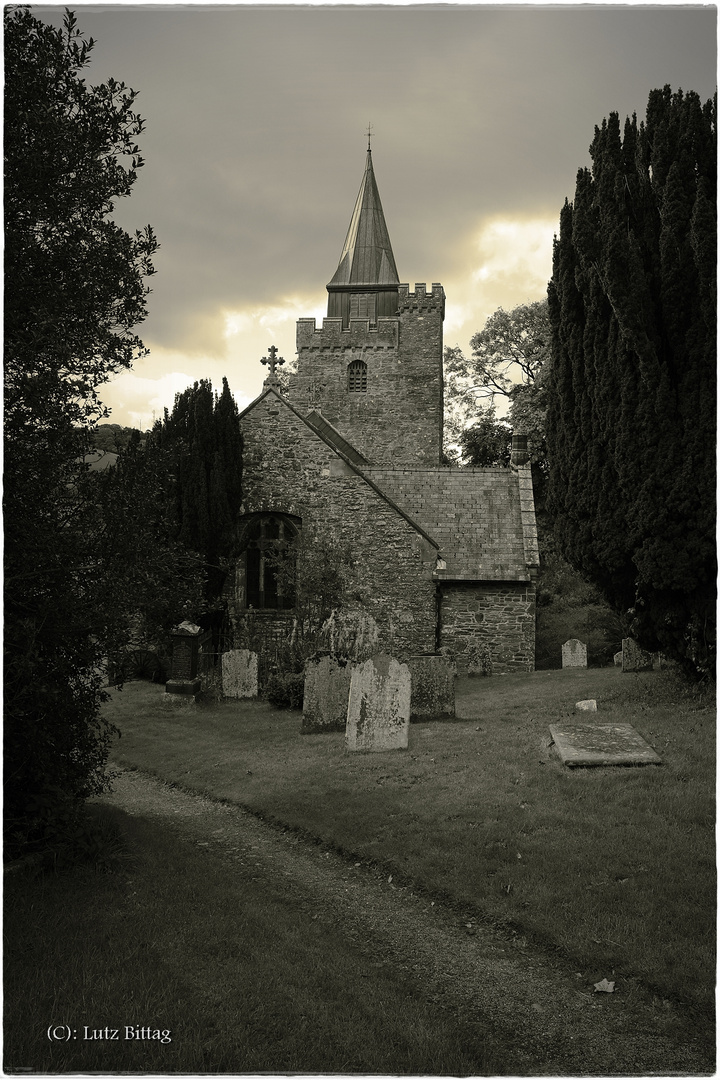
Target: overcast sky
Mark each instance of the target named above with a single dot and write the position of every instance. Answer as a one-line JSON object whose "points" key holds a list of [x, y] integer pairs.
{"points": [[255, 149]]}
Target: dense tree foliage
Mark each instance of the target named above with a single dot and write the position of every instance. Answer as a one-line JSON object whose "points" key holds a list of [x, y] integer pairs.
{"points": [[631, 419], [111, 438], [202, 439], [511, 348], [75, 288], [508, 361], [486, 442]]}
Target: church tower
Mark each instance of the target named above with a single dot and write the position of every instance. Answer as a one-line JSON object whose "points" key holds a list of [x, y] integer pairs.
{"points": [[375, 368]]}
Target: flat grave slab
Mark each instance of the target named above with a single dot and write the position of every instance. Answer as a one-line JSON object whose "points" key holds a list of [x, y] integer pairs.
{"points": [[602, 744]]}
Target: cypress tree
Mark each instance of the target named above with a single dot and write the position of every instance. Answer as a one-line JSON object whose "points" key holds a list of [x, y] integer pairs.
{"points": [[202, 436], [631, 419]]}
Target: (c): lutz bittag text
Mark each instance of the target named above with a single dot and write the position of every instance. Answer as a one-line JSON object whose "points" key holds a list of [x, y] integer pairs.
{"points": [[130, 1032]]}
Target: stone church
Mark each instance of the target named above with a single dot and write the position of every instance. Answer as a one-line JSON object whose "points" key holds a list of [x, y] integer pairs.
{"points": [[442, 557]]}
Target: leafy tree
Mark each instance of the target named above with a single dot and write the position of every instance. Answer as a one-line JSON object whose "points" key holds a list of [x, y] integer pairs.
{"points": [[511, 347], [202, 439], [142, 569], [507, 361], [486, 442], [631, 416], [76, 288], [112, 438]]}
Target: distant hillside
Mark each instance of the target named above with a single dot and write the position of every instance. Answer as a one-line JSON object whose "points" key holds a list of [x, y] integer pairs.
{"points": [[112, 438]]}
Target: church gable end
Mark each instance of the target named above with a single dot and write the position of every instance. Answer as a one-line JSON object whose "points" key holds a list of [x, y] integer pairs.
{"points": [[290, 475]]}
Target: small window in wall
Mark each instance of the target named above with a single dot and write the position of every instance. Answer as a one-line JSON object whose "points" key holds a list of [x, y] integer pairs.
{"points": [[269, 556], [357, 377]]}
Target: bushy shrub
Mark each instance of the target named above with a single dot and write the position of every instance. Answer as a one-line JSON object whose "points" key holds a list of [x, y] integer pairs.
{"points": [[286, 691]]}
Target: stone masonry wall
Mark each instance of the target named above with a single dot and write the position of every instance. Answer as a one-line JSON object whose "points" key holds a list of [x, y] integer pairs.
{"points": [[497, 617], [287, 468], [400, 417]]}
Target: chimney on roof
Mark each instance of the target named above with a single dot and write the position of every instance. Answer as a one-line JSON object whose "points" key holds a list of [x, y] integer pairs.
{"points": [[519, 454]]}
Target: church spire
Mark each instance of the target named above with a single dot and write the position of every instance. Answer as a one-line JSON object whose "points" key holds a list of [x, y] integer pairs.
{"points": [[366, 280]]}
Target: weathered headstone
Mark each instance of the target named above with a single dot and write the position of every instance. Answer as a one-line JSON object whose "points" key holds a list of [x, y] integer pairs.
{"points": [[601, 744], [240, 673], [326, 693], [588, 705], [634, 658], [378, 716], [184, 680], [617, 659], [574, 653], [432, 695]]}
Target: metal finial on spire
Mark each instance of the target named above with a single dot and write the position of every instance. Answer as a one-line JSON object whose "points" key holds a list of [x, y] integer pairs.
{"points": [[369, 135]]}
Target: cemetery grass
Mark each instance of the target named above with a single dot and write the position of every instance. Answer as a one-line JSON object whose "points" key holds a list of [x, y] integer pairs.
{"points": [[171, 942], [612, 868]]}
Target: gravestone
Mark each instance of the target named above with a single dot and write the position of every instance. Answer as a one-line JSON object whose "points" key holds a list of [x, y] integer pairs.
{"points": [[617, 659], [574, 653], [634, 658], [432, 695], [184, 679], [601, 744], [588, 705], [378, 716], [326, 693], [240, 673]]}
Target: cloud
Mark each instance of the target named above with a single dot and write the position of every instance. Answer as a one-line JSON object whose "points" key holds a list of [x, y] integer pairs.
{"points": [[138, 400], [507, 261], [238, 337], [271, 319]]}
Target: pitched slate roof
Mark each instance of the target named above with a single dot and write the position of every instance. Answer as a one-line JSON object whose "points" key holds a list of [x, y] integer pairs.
{"points": [[367, 257], [483, 519]]}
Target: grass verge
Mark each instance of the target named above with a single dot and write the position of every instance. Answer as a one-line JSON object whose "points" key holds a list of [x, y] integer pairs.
{"points": [[613, 867], [219, 965]]}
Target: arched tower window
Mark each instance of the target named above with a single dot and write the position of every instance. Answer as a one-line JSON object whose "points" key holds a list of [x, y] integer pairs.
{"points": [[268, 545], [357, 377]]}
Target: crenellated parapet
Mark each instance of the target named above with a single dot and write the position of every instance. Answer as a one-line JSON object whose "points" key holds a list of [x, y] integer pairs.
{"points": [[421, 299], [390, 406], [359, 334]]}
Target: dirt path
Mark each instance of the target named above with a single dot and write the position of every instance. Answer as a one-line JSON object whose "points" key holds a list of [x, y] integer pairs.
{"points": [[557, 1023]]}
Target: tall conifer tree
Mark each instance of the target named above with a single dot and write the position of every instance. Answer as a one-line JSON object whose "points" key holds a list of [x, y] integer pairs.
{"points": [[631, 420], [202, 435]]}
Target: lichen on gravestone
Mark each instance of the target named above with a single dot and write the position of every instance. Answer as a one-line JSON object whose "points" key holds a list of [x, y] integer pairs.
{"points": [[378, 715], [574, 653]]}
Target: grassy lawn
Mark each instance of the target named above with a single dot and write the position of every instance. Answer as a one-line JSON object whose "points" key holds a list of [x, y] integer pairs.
{"points": [[94, 951], [614, 867]]}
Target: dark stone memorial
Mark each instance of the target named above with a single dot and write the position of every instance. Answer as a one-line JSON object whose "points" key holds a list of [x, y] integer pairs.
{"points": [[185, 651]]}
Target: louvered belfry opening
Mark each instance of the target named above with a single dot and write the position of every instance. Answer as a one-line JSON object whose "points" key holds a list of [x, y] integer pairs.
{"points": [[357, 377], [365, 284]]}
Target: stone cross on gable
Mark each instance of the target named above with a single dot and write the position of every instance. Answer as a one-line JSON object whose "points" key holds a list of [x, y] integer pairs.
{"points": [[273, 360]]}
